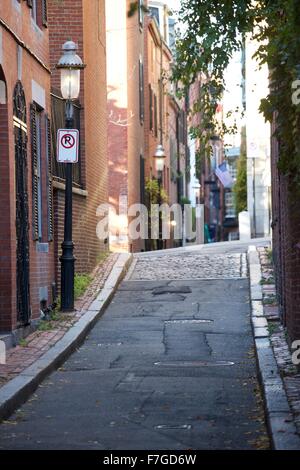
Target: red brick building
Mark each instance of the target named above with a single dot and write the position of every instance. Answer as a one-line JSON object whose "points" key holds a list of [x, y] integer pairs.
{"points": [[212, 192], [126, 115], [26, 223], [286, 246], [83, 22], [165, 116]]}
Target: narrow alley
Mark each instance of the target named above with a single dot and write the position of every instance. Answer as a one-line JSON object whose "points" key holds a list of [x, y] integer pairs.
{"points": [[170, 365]]}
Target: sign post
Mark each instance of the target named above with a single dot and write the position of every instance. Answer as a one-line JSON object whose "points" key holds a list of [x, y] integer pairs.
{"points": [[67, 145], [67, 153]]}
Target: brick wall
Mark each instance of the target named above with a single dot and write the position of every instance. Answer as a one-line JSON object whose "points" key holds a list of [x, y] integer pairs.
{"points": [[5, 236], [33, 65], [286, 246], [84, 23], [125, 130], [170, 110]]}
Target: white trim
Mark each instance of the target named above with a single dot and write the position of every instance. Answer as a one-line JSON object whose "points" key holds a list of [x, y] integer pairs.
{"points": [[38, 94]]}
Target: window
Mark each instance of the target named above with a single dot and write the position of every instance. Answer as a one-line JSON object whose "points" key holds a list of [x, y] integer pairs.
{"points": [[229, 205], [172, 33], [38, 11], [154, 12], [232, 168], [141, 90]]}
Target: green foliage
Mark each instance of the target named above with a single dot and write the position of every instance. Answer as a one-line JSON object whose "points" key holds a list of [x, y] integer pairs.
{"points": [[240, 187], [81, 283], [184, 200], [152, 192], [133, 8], [45, 325], [102, 256], [154, 196], [269, 253], [273, 327], [23, 343], [213, 31]]}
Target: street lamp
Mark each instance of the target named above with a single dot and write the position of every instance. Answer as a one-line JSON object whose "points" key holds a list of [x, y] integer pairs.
{"points": [[70, 65], [159, 157]]}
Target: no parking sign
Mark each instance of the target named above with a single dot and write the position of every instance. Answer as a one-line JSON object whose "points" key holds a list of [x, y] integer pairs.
{"points": [[67, 145]]}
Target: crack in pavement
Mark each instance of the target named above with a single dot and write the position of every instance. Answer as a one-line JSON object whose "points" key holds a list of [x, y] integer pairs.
{"points": [[206, 342]]}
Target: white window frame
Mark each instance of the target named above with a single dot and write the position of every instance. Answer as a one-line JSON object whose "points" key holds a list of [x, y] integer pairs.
{"points": [[230, 212]]}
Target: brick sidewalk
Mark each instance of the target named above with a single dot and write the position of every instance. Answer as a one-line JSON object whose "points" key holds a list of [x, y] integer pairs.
{"points": [[39, 342]]}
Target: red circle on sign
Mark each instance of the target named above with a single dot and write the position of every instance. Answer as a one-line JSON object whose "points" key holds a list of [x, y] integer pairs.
{"points": [[67, 141]]}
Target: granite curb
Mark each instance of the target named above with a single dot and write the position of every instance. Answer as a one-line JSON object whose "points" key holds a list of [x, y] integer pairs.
{"points": [[281, 427], [17, 390]]}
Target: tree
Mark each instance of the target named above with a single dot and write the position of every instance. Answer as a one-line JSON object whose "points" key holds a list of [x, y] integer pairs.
{"points": [[240, 187], [213, 30]]}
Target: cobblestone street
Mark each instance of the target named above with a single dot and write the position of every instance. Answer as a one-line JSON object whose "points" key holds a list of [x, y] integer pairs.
{"points": [[188, 266], [170, 365]]}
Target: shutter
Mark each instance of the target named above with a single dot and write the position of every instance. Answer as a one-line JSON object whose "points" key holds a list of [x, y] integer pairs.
{"points": [[142, 180], [29, 3], [141, 90], [142, 93], [44, 13], [151, 107], [49, 180], [155, 117], [35, 178]]}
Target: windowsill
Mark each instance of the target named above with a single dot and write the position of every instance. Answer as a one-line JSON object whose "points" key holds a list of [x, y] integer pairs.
{"points": [[62, 187], [36, 27], [42, 247]]}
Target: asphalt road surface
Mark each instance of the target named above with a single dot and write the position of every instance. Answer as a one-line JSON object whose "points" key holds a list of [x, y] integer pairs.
{"points": [[169, 366]]}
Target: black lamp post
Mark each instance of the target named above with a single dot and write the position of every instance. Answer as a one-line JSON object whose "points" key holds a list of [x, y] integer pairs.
{"points": [[70, 65], [159, 166]]}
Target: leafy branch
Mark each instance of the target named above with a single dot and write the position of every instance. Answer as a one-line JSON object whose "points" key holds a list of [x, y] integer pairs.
{"points": [[213, 31]]}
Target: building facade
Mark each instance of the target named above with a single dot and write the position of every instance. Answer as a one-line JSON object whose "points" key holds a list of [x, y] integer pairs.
{"points": [[84, 23], [285, 245], [233, 116], [26, 203], [126, 117], [166, 117], [258, 144]]}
